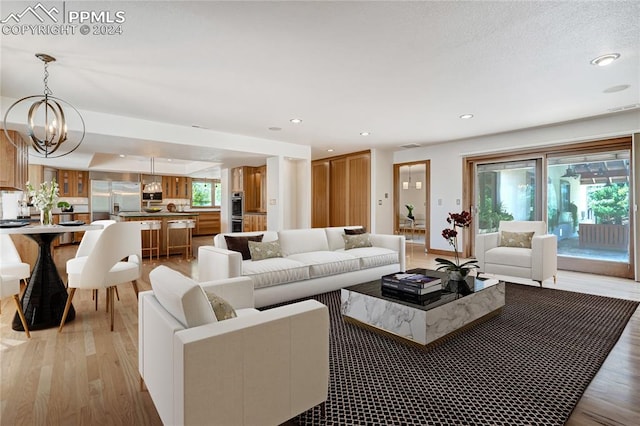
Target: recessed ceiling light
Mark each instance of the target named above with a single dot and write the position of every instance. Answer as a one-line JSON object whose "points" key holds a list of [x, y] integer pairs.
{"points": [[296, 120], [330, 150], [275, 129], [364, 133], [169, 160], [466, 116], [122, 155], [605, 60]]}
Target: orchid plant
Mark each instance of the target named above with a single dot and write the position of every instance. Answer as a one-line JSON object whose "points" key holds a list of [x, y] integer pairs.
{"points": [[457, 220]]}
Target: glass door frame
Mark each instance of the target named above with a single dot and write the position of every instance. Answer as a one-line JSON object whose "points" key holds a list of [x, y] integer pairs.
{"points": [[624, 270], [397, 208]]}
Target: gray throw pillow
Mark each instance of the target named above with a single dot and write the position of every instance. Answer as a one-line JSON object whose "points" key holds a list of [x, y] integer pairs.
{"points": [[355, 231], [221, 308], [356, 241], [261, 251]]}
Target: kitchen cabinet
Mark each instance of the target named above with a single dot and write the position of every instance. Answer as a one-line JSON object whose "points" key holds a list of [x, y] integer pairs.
{"points": [[255, 222], [176, 187], [207, 223], [73, 183], [237, 181], [84, 217], [14, 172], [255, 189]]}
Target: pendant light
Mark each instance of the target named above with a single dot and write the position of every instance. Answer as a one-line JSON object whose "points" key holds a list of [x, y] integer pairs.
{"points": [[47, 121], [153, 186]]}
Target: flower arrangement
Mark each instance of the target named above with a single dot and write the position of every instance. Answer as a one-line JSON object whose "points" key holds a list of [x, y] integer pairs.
{"points": [[410, 208], [44, 199], [457, 270]]}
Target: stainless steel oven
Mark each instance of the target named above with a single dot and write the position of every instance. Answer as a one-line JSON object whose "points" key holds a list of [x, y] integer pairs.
{"points": [[237, 204], [237, 212], [236, 224]]}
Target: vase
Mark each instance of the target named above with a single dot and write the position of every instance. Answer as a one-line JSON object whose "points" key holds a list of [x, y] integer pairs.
{"points": [[46, 217], [458, 274]]}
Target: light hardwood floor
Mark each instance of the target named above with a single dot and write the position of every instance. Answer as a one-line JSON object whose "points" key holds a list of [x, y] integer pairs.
{"points": [[89, 375]]}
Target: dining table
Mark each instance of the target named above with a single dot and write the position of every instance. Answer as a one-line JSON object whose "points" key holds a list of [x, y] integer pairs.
{"points": [[44, 299]]}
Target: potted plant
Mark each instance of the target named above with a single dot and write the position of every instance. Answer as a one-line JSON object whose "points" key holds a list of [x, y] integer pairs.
{"points": [[64, 206], [410, 208], [457, 271]]}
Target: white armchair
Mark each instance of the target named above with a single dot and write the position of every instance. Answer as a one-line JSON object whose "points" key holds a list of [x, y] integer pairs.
{"points": [[262, 367], [509, 254]]}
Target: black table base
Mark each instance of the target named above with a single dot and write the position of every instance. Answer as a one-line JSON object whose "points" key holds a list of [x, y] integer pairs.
{"points": [[45, 297]]}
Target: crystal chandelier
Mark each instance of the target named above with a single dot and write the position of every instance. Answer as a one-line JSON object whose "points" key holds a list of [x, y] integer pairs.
{"points": [[47, 121]]}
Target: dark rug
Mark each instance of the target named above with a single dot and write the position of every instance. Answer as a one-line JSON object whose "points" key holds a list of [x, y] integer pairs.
{"points": [[527, 366]]}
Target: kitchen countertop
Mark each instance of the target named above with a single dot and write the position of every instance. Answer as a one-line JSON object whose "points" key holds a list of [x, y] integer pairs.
{"points": [[159, 214]]}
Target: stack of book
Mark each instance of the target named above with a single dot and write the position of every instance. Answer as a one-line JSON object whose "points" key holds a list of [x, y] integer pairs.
{"points": [[416, 288]]}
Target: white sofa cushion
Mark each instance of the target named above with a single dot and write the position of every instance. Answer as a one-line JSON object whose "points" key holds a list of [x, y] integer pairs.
{"points": [[509, 256], [372, 257], [274, 271], [293, 241], [181, 297], [324, 263]]}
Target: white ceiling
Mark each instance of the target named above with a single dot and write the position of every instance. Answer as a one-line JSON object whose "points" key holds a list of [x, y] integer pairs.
{"points": [[403, 71]]}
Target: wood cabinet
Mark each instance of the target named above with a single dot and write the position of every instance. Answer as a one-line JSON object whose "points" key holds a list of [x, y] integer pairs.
{"points": [[237, 181], [255, 189], [73, 183], [254, 222], [341, 190], [320, 194], [176, 187], [208, 223], [14, 172], [84, 217]]}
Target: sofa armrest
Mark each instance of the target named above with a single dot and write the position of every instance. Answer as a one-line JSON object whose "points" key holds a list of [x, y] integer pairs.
{"points": [[485, 242], [216, 263], [544, 252], [237, 291], [392, 242], [256, 369]]}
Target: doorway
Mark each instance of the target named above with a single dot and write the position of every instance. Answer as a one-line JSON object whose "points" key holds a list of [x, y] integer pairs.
{"points": [[411, 202]]}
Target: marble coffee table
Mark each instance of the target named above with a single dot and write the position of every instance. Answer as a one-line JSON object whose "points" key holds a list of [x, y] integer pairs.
{"points": [[460, 305]]}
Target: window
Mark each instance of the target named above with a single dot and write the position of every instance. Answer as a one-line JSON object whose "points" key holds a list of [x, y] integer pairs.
{"points": [[206, 193]]}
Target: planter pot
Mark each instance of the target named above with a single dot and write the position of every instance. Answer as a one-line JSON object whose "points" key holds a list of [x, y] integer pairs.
{"points": [[458, 275]]}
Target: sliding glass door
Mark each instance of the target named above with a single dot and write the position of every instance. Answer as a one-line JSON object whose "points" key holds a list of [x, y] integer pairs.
{"points": [[582, 191], [507, 190], [588, 207]]}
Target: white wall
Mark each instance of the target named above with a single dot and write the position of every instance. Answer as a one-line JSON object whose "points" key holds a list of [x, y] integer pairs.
{"points": [[381, 191], [446, 158]]}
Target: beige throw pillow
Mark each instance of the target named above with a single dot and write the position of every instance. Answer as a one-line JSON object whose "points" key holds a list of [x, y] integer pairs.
{"points": [[356, 241], [221, 308], [516, 239], [266, 250]]}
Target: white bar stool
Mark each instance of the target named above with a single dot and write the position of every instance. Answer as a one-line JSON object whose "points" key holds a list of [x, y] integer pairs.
{"points": [[154, 227], [181, 225]]}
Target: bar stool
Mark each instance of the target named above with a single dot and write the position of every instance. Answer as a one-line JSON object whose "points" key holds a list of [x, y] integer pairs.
{"points": [[154, 227], [180, 225]]}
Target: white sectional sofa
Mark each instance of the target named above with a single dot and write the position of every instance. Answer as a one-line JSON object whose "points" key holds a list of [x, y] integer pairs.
{"points": [[313, 261]]}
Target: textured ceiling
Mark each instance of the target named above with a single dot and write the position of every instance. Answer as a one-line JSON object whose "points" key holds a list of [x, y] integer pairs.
{"points": [[403, 71]]}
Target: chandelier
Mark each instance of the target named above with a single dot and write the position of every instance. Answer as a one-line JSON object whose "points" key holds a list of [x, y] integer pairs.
{"points": [[46, 120]]}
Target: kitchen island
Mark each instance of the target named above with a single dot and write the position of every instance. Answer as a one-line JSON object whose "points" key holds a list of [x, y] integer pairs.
{"points": [[177, 238]]}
